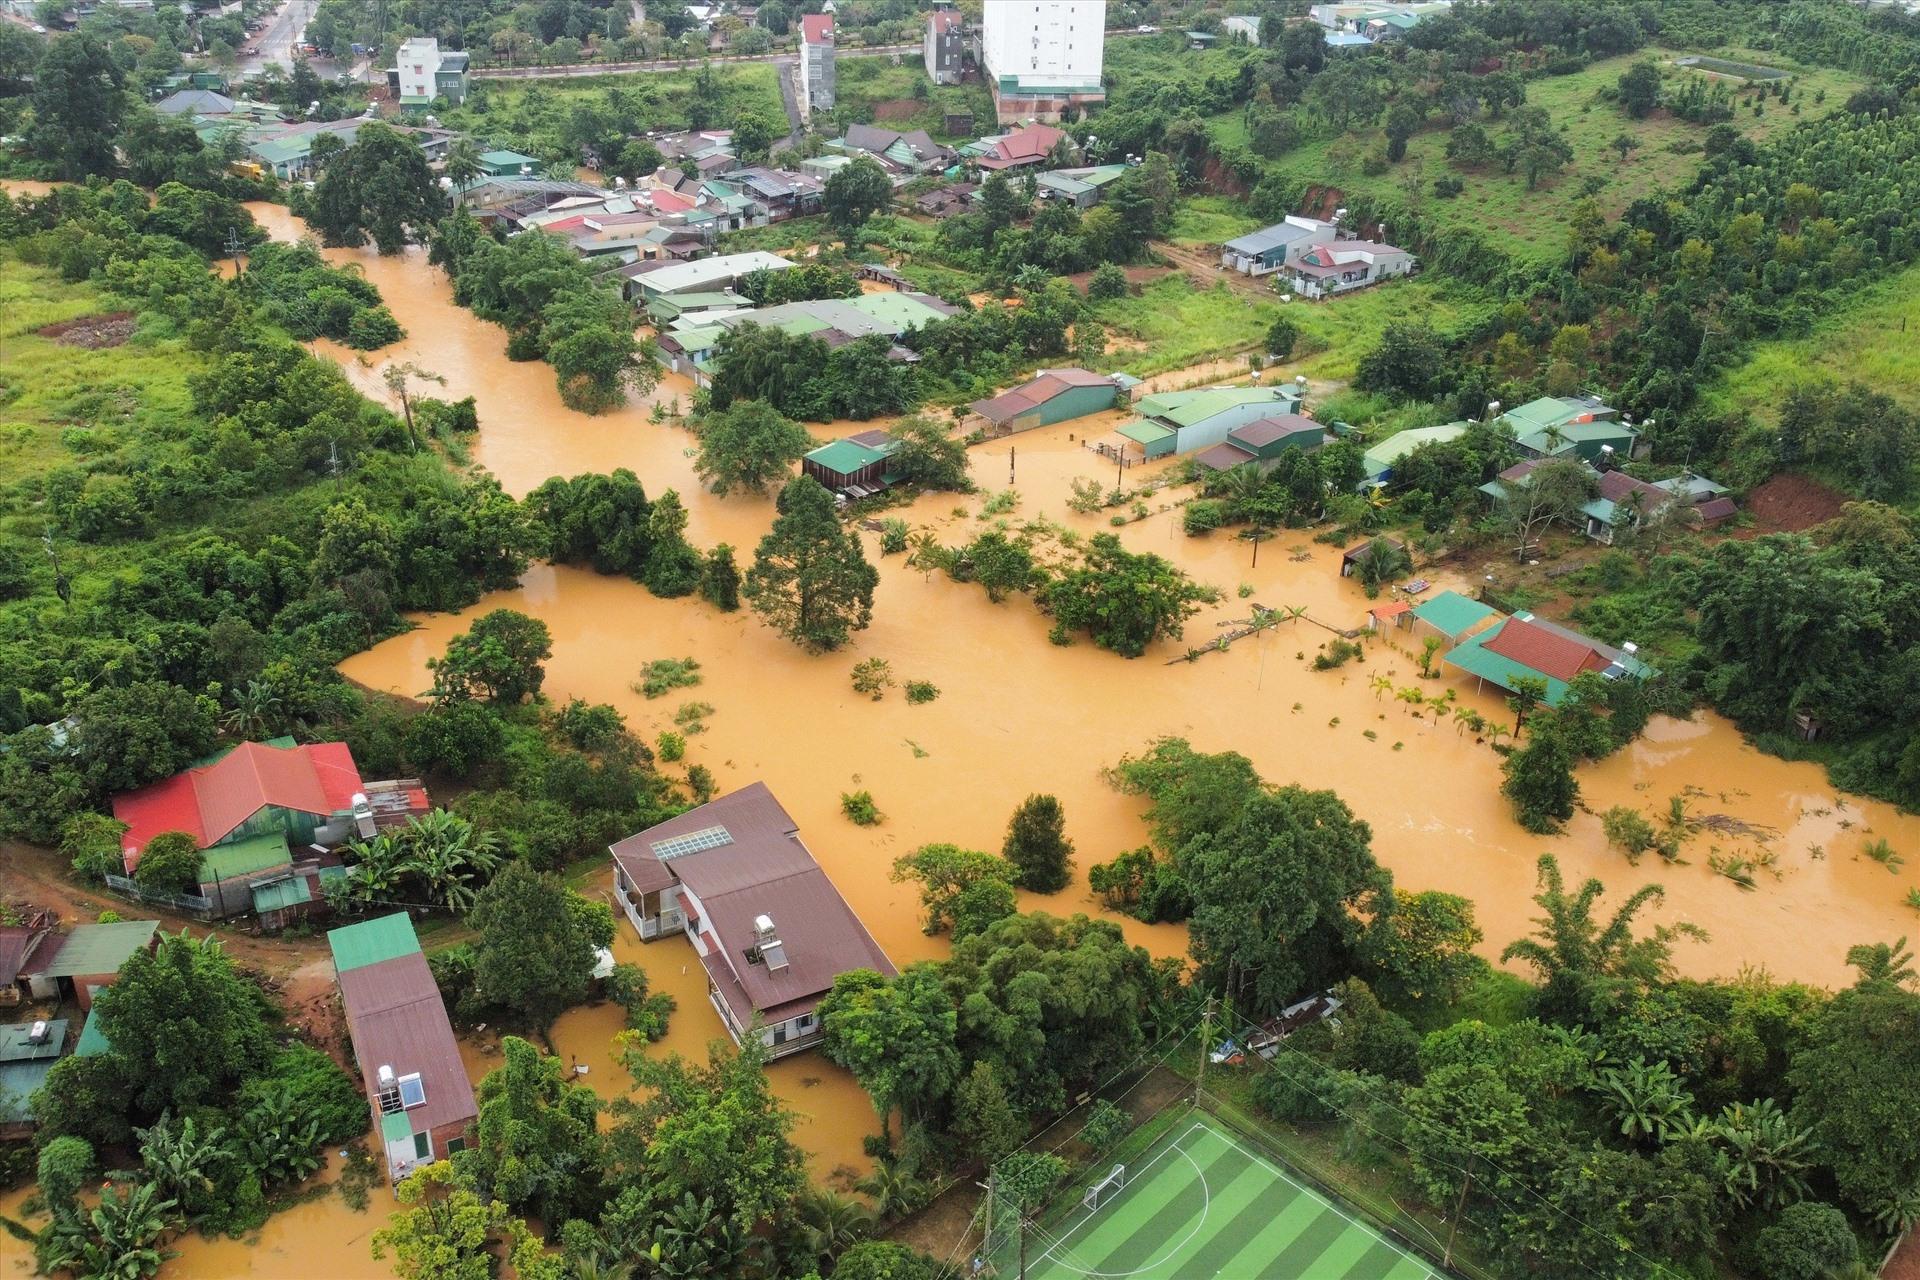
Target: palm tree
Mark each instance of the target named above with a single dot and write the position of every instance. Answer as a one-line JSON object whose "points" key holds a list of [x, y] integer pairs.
{"points": [[255, 711], [1380, 685], [1576, 956], [1241, 487], [1412, 695], [893, 1189], [1766, 1154], [179, 1160], [833, 1223], [1881, 965], [463, 163], [1649, 1103]]}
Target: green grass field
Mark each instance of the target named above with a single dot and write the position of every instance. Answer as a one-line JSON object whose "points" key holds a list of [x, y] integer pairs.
{"points": [[1197, 1205], [1873, 338], [862, 82]]}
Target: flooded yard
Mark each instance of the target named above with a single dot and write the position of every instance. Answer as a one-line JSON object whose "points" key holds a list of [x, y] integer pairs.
{"points": [[1017, 714]]}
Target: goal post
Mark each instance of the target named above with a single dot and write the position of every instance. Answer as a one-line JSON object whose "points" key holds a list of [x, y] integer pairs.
{"points": [[1105, 1189]]}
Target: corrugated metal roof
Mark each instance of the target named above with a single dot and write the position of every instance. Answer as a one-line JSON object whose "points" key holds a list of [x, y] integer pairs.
{"points": [[281, 894], [1453, 614], [16, 1044], [372, 941], [395, 1019], [245, 857], [93, 1039], [209, 803], [19, 944], [100, 948], [1186, 408], [1143, 432]]}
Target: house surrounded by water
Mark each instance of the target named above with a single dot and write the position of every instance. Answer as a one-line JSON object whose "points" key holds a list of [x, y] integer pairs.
{"points": [[770, 929]]}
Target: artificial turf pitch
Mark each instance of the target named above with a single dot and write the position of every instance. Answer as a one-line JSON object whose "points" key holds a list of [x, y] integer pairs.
{"points": [[1199, 1205]]}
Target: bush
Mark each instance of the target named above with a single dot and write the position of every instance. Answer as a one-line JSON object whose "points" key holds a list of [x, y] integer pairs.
{"points": [[1106, 1125], [1203, 515], [1809, 1241], [873, 677], [1628, 830], [671, 746], [893, 536], [921, 691], [663, 675], [647, 1011], [373, 328], [1107, 281], [170, 863], [1295, 1089], [318, 1090], [1337, 654], [860, 808]]}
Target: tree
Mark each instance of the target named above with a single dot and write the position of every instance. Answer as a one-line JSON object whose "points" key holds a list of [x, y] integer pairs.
{"points": [[1586, 967], [929, 455], [1649, 1104], [753, 133], [170, 863], [1554, 490], [945, 872], [181, 1161], [1463, 1121], [854, 194], [78, 102], [1847, 1091], [1107, 282], [536, 951], [895, 1036], [748, 446], [720, 579], [1125, 601], [1037, 847], [446, 1232], [463, 163], [1279, 897], [194, 1027], [1640, 90], [880, 1259], [380, 187], [499, 658], [831, 1223], [1423, 950], [65, 1166], [673, 566], [535, 1144], [1808, 1241], [1408, 361], [985, 1117], [810, 579], [1281, 335], [118, 1237], [1540, 782]]}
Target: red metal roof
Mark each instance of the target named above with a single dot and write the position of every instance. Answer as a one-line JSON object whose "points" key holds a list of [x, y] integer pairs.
{"points": [[1023, 146], [816, 28], [1543, 651], [210, 802]]}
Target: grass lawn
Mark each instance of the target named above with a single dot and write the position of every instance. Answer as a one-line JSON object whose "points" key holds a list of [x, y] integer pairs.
{"points": [[531, 115], [1533, 223], [1211, 219], [1873, 339], [859, 83], [1181, 325]]}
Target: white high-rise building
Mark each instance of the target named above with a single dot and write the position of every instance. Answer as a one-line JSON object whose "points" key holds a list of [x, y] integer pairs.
{"points": [[1043, 56]]}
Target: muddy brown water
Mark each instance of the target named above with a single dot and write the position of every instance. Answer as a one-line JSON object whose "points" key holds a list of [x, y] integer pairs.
{"points": [[1017, 714]]}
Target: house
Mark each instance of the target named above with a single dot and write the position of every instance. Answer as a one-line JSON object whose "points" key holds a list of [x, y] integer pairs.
{"points": [[1377, 462], [28, 1051], [23, 948], [90, 957], [943, 47], [416, 1085], [1082, 187], [1354, 17], [707, 275], [768, 925], [287, 149], [1262, 442], [1043, 57], [816, 62], [422, 72], [1390, 613], [1347, 40], [910, 153], [1341, 266], [1451, 616], [1623, 502], [1020, 149], [194, 102], [1052, 395], [508, 164], [1267, 250], [1389, 27], [1244, 27], [689, 346], [1526, 647], [1570, 426], [944, 202], [1174, 422], [1350, 559], [775, 196], [855, 465]]}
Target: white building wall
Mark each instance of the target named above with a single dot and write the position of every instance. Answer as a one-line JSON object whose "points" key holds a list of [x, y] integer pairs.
{"points": [[418, 61], [1045, 43]]}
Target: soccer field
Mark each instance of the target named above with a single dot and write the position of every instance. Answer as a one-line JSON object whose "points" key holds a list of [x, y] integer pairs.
{"points": [[1199, 1205]]}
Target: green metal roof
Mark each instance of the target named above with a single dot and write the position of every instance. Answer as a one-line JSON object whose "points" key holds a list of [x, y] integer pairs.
{"points": [[1452, 613], [19, 1081], [844, 457], [1473, 657], [281, 894], [395, 1127], [1185, 408], [1572, 434], [245, 857], [371, 941], [100, 948], [895, 309], [507, 157], [1382, 456], [16, 1047], [1144, 432], [93, 1039]]}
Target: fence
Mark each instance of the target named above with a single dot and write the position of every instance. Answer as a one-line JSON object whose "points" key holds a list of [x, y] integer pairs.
{"points": [[189, 903]]}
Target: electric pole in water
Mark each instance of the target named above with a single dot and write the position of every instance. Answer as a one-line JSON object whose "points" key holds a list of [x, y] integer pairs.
{"points": [[1009, 464]]}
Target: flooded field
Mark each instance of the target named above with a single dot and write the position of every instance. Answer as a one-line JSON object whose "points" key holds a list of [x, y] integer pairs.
{"points": [[1017, 714]]}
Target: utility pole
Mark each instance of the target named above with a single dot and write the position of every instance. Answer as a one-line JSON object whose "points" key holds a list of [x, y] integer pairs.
{"points": [[1010, 451], [1453, 1228], [1206, 1048]]}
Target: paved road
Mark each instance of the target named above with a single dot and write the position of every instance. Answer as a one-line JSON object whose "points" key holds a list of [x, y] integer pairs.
{"points": [[578, 70], [275, 43]]}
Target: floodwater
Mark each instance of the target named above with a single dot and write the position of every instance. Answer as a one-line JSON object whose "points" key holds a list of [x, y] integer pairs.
{"points": [[1017, 714]]}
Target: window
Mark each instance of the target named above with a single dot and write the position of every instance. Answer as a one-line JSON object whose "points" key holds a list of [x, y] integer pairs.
{"points": [[456, 1144], [413, 1093], [423, 1146], [692, 842], [780, 1034]]}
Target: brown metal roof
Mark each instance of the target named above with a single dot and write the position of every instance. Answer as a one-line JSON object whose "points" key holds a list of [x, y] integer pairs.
{"points": [[752, 817], [20, 943], [1224, 456], [1264, 431], [396, 1019]]}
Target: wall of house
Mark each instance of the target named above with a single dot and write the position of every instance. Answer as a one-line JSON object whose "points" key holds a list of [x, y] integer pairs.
{"points": [[1054, 44], [1211, 431]]}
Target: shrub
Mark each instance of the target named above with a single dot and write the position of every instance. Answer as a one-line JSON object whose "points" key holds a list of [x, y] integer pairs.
{"points": [[1203, 515], [663, 675], [919, 691], [691, 718], [372, 328], [672, 746], [893, 536], [1337, 654], [873, 677], [169, 863], [860, 808], [1106, 1125], [1628, 830], [1107, 281]]}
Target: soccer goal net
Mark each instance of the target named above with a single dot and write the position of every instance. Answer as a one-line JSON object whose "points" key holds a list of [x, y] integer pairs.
{"points": [[1105, 1189]]}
